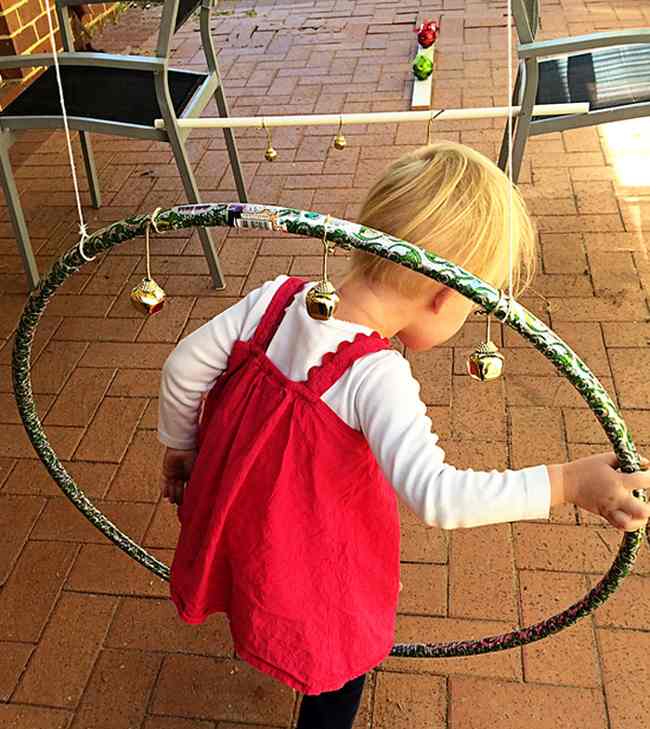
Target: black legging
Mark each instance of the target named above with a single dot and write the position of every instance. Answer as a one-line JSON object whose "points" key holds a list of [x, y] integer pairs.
{"points": [[332, 710]]}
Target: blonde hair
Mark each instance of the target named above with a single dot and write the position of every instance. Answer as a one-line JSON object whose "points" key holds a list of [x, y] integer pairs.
{"points": [[453, 201]]}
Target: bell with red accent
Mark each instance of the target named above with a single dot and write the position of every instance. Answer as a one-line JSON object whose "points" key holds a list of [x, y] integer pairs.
{"points": [[148, 297], [428, 33]]}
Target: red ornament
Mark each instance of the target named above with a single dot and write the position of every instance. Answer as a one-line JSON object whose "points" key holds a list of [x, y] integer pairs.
{"points": [[428, 33]]}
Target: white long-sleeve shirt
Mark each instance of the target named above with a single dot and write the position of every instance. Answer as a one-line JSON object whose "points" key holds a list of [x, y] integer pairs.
{"points": [[377, 396]]}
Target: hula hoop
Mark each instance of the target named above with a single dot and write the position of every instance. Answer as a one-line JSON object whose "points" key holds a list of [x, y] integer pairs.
{"points": [[347, 235]]}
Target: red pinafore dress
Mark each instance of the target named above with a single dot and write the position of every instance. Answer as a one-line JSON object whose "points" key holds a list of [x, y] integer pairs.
{"points": [[288, 524]]}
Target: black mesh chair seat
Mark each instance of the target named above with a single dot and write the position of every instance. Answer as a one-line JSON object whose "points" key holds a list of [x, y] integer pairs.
{"points": [[107, 94], [186, 9], [122, 102], [608, 72], [606, 79]]}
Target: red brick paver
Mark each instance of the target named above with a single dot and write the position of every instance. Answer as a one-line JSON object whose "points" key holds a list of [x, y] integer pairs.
{"points": [[87, 637]]}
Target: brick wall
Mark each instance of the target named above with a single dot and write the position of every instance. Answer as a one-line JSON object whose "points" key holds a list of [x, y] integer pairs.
{"points": [[24, 29]]}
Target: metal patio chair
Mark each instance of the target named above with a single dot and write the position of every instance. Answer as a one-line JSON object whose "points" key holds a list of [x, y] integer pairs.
{"points": [[609, 70], [118, 95]]}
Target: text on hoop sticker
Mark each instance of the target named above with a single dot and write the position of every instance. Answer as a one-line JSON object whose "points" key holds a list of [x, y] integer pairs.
{"points": [[262, 220]]}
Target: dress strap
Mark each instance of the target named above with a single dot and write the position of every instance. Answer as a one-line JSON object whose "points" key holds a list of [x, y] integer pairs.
{"points": [[275, 311], [335, 364]]}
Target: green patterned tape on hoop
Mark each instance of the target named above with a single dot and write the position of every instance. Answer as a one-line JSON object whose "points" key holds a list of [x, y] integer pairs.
{"points": [[347, 235]]}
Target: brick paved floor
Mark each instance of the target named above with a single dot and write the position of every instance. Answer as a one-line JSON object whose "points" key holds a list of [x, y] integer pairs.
{"points": [[87, 639]]}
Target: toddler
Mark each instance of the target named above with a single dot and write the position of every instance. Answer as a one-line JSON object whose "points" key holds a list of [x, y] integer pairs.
{"points": [[312, 430]]}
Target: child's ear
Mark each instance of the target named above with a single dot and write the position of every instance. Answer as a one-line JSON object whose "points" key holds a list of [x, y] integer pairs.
{"points": [[440, 298]]}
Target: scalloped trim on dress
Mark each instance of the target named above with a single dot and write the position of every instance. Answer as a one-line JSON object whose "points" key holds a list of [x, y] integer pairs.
{"points": [[328, 357]]}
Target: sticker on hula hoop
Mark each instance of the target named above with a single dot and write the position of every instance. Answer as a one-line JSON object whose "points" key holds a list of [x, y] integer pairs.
{"points": [[253, 216], [351, 235], [195, 209]]}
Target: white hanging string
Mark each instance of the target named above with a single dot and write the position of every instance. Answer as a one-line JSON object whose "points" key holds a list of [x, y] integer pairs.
{"points": [[509, 173], [510, 187], [83, 228]]}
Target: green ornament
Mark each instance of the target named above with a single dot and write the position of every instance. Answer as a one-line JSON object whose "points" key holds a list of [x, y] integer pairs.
{"points": [[422, 67]]}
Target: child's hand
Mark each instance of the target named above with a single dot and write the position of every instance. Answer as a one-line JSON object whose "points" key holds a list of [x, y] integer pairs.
{"points": [[593, 484], [176, 469]]}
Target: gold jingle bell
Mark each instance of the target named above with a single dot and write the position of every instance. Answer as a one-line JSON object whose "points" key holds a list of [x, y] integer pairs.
{"points": [[340, 142], [485, 363], [147, 297], [270, 153], [322, 301]]}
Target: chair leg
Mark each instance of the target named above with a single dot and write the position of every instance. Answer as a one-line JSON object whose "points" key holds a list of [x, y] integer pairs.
{"points": [[192, 192], [91, 169], [530, 75], [503, 152], [220, 98], [231, 146], [519, 147], [16, 215], [519, 139], [529, 78]]}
